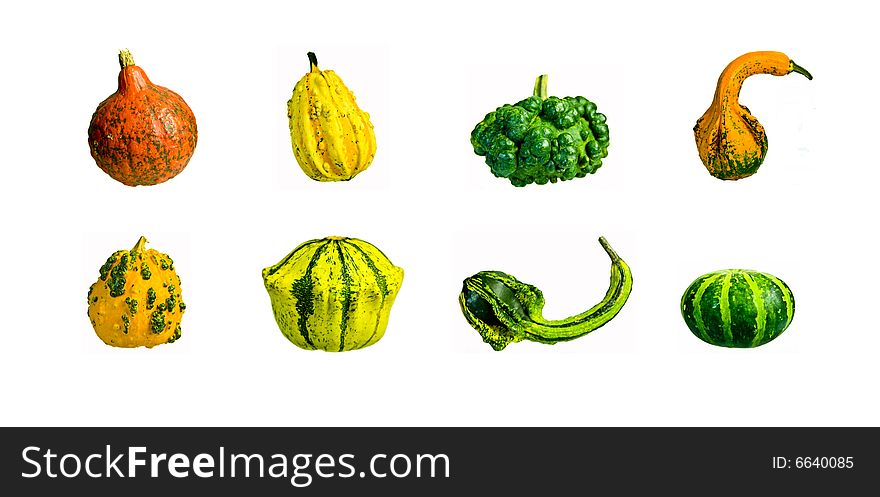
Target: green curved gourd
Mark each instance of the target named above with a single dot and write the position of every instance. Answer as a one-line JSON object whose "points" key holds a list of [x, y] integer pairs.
{"points": [[737, 308], [504, 310]]}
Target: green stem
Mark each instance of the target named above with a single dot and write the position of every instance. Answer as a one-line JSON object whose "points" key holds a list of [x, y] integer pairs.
{"points": [[610, 251], [541, 87], [125, 59], [313, 61], [139, 246], [800, 70]]}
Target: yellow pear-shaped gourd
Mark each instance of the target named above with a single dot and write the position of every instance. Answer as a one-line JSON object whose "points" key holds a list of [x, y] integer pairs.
{"points": [[333, 294], [731, 142], [332, 137], [136, 301]]}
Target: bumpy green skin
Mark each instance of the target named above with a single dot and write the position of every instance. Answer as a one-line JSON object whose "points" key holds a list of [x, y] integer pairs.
{"points": [[541, 139], [505, 310], [737, 308]]}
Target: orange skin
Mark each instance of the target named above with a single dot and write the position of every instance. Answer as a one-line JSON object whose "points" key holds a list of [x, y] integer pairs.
{"points": [[143, 134], [731, 142], [128, 319]]}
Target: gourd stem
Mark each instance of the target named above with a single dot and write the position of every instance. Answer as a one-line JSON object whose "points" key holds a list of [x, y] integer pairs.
{"points": [[139, 246], [313, 61], [125, 59], [608, 249], [800, 70], [541, 87]]}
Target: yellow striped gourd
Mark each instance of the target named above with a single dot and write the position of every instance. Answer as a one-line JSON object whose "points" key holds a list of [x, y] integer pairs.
{"points": [[333, 294], [332, 137]]}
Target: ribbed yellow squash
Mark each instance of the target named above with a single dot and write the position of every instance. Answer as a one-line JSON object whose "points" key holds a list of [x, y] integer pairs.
{"points": [[332, 138], [333, 294]]}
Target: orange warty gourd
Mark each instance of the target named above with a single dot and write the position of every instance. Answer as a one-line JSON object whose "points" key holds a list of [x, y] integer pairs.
{"points": [[137, 300], [731, 141], [143, 134]]}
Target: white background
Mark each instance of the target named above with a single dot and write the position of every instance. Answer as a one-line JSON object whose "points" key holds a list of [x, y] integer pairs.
{"points": [[427, 74]]}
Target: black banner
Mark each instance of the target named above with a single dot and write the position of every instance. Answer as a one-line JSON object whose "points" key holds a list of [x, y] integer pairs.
{"points": [[515, 461]]}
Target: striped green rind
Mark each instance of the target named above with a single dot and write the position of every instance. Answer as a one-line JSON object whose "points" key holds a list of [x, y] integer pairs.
{"points": [[333, 294], [737, 308]]}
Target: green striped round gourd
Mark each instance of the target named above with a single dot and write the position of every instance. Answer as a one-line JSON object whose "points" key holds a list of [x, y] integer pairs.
{"points": [[333, 294], [737, 308]]}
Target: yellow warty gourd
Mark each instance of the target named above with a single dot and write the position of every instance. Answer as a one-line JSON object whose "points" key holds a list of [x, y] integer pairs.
{"points": [[332, 137]]}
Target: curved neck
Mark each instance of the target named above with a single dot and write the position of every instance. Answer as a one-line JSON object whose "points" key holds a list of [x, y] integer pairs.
{"points": [[594, 317], [619, 282], [730, 84], [734, 75]]}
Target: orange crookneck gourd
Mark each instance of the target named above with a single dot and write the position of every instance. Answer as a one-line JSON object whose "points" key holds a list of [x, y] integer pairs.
{"points": [[731, 141]]}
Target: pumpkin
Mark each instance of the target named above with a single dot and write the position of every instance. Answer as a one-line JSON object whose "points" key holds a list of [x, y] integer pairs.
{"points": [[504, 310], [332, 137], [137, 299], [143, 134], [737, 307], [731, 142], [333, 294]]}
